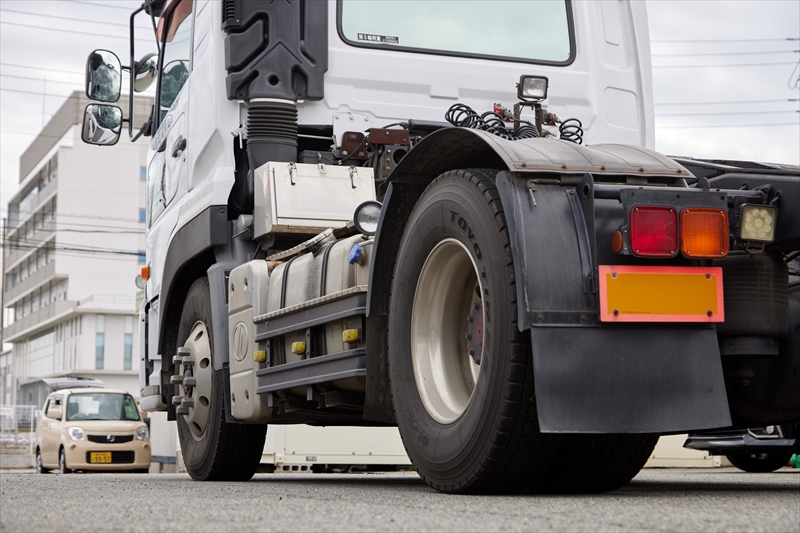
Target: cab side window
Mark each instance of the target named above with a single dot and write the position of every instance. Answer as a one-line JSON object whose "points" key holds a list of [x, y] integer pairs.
{"points": [[176, 65]]}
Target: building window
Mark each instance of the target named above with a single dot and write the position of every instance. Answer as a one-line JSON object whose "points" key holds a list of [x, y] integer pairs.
{"points": [[128, 355], [142, 215], [142, 258], [100, 342], [143, 173]]}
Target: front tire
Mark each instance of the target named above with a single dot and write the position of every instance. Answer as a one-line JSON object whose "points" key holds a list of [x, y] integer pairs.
{"points": [[62, 462], [39, 468], [213, 449], [461, 371], [760, 462]]}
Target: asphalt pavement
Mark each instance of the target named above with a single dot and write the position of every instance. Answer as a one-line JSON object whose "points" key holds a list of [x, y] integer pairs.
{"points": [[707, 500]]}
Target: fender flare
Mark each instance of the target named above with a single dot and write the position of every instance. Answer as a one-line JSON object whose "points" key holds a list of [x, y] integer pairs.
{"points": [[189, 255]]}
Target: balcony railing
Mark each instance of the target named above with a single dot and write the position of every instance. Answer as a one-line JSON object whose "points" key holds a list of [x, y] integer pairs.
{"points": [[36, 320], [41, 276], [40, 234], [15, 220]]}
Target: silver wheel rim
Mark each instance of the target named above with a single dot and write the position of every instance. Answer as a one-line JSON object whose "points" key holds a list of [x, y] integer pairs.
{"points": [[197, 398], [444, 340]]}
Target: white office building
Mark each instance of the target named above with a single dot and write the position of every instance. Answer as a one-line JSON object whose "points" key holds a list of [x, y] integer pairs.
{"points": [[73, 246]]}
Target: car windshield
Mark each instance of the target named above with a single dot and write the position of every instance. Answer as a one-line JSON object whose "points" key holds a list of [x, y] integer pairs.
{"points": [[101, 406]]}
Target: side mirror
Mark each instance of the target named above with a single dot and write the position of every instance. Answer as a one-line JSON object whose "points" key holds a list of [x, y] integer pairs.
{"points": [[103, 76], [54, 413], [146, 70], [102, 124]]}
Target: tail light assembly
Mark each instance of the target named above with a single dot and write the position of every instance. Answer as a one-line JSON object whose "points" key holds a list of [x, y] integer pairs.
{"points": [[704, 233], [664, 231]]}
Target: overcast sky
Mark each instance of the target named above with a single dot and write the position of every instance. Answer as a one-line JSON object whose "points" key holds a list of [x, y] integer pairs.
{"points": [[723, 72]]}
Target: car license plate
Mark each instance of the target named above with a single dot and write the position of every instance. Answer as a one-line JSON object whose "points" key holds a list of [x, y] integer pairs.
{"points": [[100, 457], [661, 294]]}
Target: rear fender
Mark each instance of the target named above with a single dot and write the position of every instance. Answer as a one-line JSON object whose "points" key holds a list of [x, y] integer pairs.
{"points": [[589, 378]]}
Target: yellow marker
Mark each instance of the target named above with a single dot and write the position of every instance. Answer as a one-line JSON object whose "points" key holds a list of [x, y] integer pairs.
{"points": [[259, 356], [350, 335], [298, 348]]}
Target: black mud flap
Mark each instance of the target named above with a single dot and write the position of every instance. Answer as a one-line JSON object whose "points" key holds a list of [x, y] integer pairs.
{"points": [[628, 380]]}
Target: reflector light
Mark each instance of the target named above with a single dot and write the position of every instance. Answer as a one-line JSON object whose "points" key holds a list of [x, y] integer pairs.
{"points": [[704, 232], [654, 231], [758, 223]]}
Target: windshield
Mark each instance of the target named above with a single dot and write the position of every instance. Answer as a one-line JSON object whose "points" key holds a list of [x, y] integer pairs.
{"points": [[537, 32], [101, 406]]}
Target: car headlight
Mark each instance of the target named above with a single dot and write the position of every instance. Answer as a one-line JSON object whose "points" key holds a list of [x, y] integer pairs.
{"points": [[141, 433], [76, 433]]}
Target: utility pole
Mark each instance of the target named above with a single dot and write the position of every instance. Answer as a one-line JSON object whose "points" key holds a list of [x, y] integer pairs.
{"points": [[3, 224]]}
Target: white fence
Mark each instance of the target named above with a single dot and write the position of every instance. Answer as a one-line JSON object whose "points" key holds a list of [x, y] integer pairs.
{"points": [[17, 428]]}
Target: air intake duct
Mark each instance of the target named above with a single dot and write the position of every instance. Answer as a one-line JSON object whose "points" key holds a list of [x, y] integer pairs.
{"points": [[271, 131]]}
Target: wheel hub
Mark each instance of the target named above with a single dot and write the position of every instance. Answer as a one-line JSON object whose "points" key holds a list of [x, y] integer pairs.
{"points": [[447, 331], [194, 380]]}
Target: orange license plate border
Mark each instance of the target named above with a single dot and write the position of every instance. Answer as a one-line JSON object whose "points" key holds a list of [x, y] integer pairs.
{"points": [[99, 457], [614, 277]]}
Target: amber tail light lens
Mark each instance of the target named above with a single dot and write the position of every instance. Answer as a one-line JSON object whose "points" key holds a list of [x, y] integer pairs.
{"points": [[654, 231], [704, 232]]}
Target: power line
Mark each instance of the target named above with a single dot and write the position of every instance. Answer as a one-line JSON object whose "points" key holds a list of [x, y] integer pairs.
{"points": [[726, 114], [76, 32], [41, 68], [34, 92], [40, 79], [772, 40], [729, 125], [128, 9], [728, 53], [79, 215], [72, 248], [732, 102], [730, 65], [61, 17]]}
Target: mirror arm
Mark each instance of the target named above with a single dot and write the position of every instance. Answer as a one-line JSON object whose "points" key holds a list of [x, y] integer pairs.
{"points": [[132, 74]]}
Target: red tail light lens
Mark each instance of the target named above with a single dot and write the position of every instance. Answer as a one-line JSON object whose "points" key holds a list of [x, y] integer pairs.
{"points": [[654, 231]]}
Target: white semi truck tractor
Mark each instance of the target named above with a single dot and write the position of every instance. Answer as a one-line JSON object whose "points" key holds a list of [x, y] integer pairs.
{"points": [[447, 217]]}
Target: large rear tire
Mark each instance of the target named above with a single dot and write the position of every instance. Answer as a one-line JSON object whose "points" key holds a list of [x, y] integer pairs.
{"points": [[760, 462], [597, 463], [213, 449], [461, 372]]}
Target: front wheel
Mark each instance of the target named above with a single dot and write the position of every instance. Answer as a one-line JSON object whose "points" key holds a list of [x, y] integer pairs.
{"points": [[213, 449], [760, 462], [39, 468], [62, 462], [461, 371]]}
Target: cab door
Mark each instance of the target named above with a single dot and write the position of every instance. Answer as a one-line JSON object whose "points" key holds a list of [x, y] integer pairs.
{"points": [[167, 169], [173, 101]]}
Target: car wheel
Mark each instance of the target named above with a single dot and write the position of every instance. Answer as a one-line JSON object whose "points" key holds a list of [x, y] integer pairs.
{"points": [[213, 449], [39, 468], [461, 371], [760, 462], [62, 462]]}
